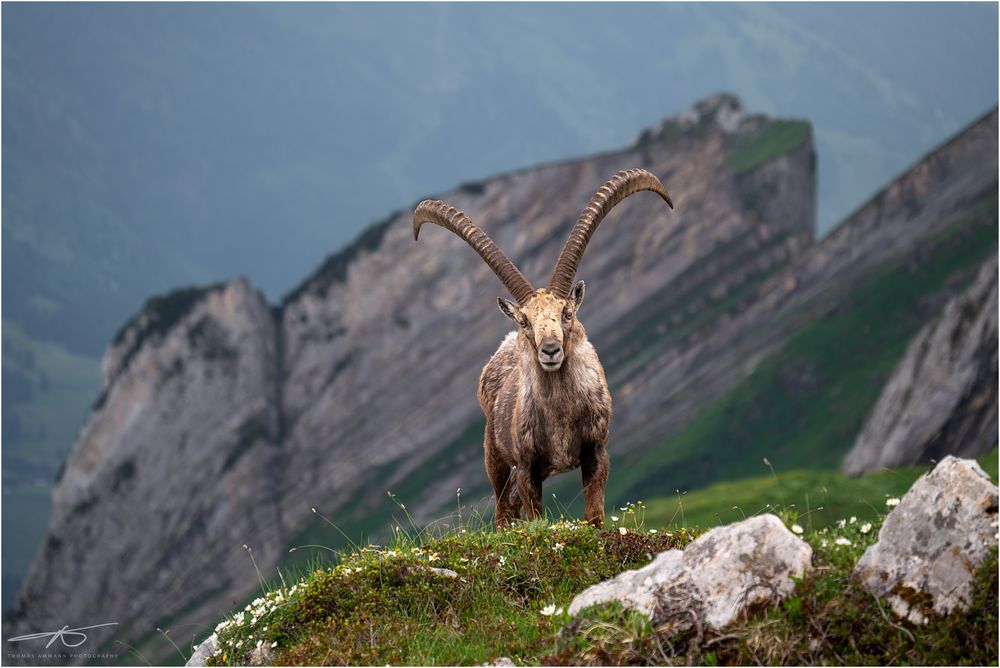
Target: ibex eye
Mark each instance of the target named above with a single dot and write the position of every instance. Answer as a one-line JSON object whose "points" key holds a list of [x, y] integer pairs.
{"points": [[567, 316]]}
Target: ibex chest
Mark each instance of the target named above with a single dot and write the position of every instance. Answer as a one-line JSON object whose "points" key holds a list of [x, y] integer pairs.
{"points": [[549, 422]]}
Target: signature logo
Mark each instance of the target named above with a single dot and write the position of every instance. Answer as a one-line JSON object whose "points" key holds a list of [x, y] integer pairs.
{"points": [[62, 635]]}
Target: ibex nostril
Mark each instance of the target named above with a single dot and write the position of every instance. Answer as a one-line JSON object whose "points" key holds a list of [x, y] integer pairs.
{"points": [[551, 349]]}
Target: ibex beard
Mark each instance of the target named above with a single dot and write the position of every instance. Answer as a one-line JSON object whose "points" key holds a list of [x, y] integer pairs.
{"points": [[544, 394]]}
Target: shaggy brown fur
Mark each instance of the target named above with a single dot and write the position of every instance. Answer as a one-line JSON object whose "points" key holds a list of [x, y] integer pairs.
{"points": [[539, 422]]}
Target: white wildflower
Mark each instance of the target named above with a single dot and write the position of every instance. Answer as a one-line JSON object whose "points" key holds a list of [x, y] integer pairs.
{"points": [[274, 644], [614, 518], [853, 519], [842, 541], [550, 610], [622, 530], [892, 502], [866, 527], [841, 523], [796, 529], [558, 547], [503, 560], [652, 531]]}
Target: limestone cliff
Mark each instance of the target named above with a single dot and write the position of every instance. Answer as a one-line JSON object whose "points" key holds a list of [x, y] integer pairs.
{"points": [[942, 397]]}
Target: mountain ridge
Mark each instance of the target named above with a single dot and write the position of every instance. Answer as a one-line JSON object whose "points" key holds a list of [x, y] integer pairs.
{"points": [[244, 418]]}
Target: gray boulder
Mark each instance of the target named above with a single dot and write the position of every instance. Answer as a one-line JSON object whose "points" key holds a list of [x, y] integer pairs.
{"points": [[203, 651], [931, 543], [713, 580]]}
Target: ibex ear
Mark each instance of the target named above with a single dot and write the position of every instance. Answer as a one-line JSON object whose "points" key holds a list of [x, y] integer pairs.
{"points": [[577, 293], [509, 309]]}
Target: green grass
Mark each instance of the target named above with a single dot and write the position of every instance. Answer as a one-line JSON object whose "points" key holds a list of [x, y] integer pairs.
{"points": [[804, 405], [769, 142], [381, 605], [817, 499]]}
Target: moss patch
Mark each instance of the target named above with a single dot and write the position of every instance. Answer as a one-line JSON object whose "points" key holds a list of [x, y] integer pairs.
{"points": [[770, 141]]}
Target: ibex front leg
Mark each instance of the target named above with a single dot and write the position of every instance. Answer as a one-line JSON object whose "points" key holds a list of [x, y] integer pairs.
{"points": [[529, 489], [595, 466], [503, 484]]}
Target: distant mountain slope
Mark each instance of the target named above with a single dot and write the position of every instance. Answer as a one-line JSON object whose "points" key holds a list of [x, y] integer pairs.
{"points": [[942, 396], [819, 338], [204, 440]]}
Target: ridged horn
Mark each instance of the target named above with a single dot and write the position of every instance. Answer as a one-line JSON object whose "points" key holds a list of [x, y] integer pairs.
{"points": [[450, 218], [618, 187]]}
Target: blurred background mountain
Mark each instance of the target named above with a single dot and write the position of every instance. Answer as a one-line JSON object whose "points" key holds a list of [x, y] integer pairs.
{"points": [[147, 147]]}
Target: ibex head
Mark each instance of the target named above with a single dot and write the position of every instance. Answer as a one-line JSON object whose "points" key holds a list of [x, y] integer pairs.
{"points": [[547, 321], [546, 316]]}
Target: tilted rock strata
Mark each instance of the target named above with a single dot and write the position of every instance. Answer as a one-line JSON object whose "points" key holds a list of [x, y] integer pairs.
{"points": [[942, 396]]}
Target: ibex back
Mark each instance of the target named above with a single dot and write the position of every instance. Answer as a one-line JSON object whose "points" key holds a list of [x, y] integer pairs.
{"points": [[543, 392]]}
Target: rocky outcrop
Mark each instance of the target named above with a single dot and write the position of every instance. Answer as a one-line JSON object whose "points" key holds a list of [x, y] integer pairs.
{"points": [[665, 392], [182, 446], [931, 543], [713, 580], [942, 396]]}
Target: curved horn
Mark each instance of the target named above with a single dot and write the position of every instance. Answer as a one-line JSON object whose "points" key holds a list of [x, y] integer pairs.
{"points": [[450, 218], [618, 187]]}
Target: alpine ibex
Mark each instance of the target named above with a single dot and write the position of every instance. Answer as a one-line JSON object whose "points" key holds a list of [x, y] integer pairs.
{"points": [[543, 392]]}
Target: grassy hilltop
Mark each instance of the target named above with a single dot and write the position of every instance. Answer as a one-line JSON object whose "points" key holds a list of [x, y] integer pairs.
{"points": [[506, 592]]}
